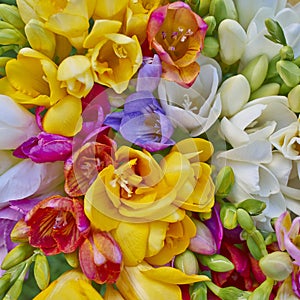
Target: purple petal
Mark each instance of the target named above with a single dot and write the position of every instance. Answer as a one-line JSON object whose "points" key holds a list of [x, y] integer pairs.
{"points": [[114, 120], [296, 282]]}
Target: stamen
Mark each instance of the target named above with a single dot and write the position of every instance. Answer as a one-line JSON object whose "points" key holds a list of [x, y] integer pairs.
{"points": [[60, 220], [187, 103]]}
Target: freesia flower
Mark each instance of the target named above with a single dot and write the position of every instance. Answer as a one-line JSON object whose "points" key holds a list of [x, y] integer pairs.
{"points": [[176, 33], [57, 224], [153, 129], [110, 9], [195, 109], [100, 257], [16, 124], [136, 282], [71, 285]]}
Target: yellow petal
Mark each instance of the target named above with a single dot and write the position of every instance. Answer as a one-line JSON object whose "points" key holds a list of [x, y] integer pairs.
{"points": [[132, 239], [112, 294], [157, 235], [64, 118]]}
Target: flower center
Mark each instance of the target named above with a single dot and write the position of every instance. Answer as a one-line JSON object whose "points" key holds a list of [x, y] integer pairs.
{"points": [[60, 220], [187, 103], [119, 50]]}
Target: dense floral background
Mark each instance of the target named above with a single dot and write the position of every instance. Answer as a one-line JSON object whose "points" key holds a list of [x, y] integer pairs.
{"points": [[150, 149]]}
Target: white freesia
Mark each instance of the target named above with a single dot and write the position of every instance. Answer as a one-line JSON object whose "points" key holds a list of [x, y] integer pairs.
{"points": [[257, 43], [17, 124], [232, 38], [234, 94], [195, 109]]}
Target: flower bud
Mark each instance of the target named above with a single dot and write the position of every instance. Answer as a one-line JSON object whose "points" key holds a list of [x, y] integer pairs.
{"points": [[228, 216], [223, 9], [199, 291], [287, 53], [15, 290], [263, 291], [252, 206], [276, 265], [41, 271], [284, 89], [256, 244], [204, 7], [10, 14], [211, 47], [245, 220], [216, 262], [270, 238], [239, 87], [19, 233], [4, 282], [268, 89], [276, 33], [187, 263], [211, 22], [11, 35], [293, 99], [289, 72], [40, 38], [72, 259], [233, 38], [272, 71], [227, 293], [17, 255], [296, 61], [256, 71], [224, 182]]}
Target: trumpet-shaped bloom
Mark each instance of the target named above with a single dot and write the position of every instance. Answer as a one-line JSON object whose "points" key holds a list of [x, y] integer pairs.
{"points": [[146, 282], [177, 34], [100, 257], [195, 109], [142, 112], [16, 124], [57, 224], [71, 285]]}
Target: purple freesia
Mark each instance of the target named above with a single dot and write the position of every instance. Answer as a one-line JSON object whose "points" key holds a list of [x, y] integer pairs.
{"points": [[296, 281], [149, 74], [45, 147], [143, 122]]}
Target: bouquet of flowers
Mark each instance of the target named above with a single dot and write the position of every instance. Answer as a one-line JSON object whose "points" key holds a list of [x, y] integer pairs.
{"points": [[150, 149]]}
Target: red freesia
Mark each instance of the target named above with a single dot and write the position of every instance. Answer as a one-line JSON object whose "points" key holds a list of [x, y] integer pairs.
{"points": [[100, 257], [57, 224]]}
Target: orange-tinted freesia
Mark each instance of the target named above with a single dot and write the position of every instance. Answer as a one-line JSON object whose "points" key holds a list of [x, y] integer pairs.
{"points": [[177, 34], [100, 257], [57, 224]]}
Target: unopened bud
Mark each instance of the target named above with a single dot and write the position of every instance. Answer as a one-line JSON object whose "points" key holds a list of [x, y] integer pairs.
{"points": [[72, 259], [228, 293], [17, 255], [256, 244], [245, 220], [228, 216], [194, 5], [41, 271], [276, 265], [296, 61], [10, 14], [5, 283], [204, 7], [284, 89], [270, 238], [15, 290], [211, 47], [216, 262], [19, 234], [187, 263], [10, 35], [211, 23], [294, 99], [252, 206], [199, 291], [286, 53], [289, 72], [224, 182], [272, 71], [223, 9], [256, 71], [276, 34], [268, 89], [263, 291]]}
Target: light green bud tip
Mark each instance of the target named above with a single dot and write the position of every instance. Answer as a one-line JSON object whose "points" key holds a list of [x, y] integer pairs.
{"points": [[10, 14], [268, 89], [245, 220], [263, 291], [256, 71], [187, 263], [252, 206], [4, 283], [228, 216], [294, 99], [212, 23], [204, 7], [287, 53], [217, 262], [198, 291], [276, 265], [276, 33], [211, 47], [41, 271], [223, 9], [224, 181], [289, 72]]}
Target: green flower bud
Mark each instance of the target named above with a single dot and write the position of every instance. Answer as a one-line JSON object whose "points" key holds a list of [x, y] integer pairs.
{"points": [[296, 61], [284, 89], [287, 53], [263, 291], [276, 265], [198, 291], [272, 71], [268, 89], [223, 9], [294, 99], [19, 234], [5, 283], [276, 34], [10, 14], [252, 206], [72, 259], [11, 35], [245, 220], [228, 216], [17, 255], [270, 238], [224, 182], [41, 271], [40, 38], [211, 22], [256, 244], [216, 262], [289, 72], [187, 263], [211, 47], [256, 71], [15, 290], [204, 7]]}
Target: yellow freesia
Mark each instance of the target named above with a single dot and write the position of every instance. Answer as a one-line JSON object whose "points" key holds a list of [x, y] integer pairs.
{"points": [[110, 9], [76, 75], [72, 285], [144, 282], [112, 293]]}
